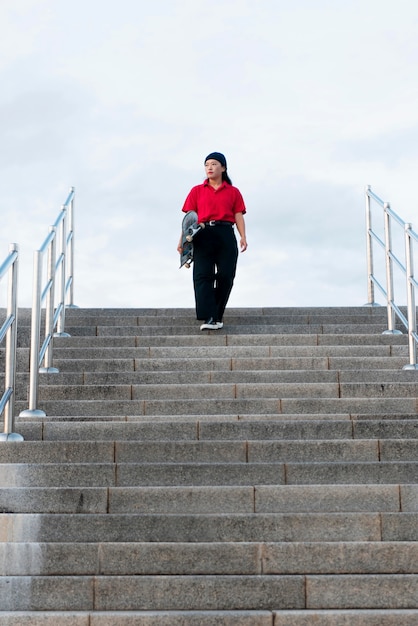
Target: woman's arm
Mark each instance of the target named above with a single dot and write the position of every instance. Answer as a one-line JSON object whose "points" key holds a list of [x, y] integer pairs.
{"points": [[239, 221], [179, 246]]}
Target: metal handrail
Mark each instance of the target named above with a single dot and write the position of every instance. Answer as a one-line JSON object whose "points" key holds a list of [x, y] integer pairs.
{"points": [[405, 265], [9, 331], [57, 293]]}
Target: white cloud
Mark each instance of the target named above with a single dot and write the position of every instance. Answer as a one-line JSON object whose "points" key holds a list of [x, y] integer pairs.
{"points": [[309, 101]]}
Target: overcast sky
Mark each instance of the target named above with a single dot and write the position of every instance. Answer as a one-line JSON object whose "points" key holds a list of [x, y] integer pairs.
{"points": [[310, 101]]}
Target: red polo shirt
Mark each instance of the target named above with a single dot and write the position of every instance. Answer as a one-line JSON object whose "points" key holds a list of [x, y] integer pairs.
{"points": [[215, 204]]}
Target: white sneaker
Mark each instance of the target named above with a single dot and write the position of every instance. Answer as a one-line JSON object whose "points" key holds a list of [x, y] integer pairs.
{"points": [[210, 325], [220, 324]]}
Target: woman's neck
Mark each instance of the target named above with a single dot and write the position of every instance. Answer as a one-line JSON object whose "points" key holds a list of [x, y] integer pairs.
{"points": [[215, 183]]}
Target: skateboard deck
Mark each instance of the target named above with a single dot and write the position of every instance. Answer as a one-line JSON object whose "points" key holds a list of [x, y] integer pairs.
{"points": [[189, 229]]}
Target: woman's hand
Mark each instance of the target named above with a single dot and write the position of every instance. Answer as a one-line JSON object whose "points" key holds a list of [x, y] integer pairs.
{"points": [[179, 246], [240, 223]]}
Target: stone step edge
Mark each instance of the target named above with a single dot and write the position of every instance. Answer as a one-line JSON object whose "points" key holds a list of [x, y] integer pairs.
{"points": [[138, 618], [330, 617], [205, 558], [244, 499], [208, 592], [213, 406], [284, 419]]}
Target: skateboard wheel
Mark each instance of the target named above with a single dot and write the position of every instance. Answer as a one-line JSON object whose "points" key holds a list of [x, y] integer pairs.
{"points": [[189, 238]]}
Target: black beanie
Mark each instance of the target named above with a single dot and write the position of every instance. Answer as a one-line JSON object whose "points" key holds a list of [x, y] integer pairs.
{"points": [[217, 156]]}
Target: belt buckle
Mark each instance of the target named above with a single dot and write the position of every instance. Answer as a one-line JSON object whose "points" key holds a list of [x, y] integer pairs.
{"points": [[212, 222]]}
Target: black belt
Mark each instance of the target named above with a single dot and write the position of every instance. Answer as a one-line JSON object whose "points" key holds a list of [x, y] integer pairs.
{"points": [[218, 223]]}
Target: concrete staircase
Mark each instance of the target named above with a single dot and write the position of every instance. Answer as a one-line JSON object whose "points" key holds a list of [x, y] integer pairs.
{"points": [[262, 475]]}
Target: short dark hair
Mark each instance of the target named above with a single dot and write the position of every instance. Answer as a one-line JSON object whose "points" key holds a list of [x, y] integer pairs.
{"points": [[218, 156]]}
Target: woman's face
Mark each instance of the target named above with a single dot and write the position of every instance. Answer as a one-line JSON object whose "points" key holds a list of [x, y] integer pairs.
{"points": [[214, 169]]}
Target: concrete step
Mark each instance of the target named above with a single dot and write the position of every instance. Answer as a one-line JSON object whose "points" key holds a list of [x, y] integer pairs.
{"points": [[156, 377], [138, 618], [22, 359], [268, 326], [227, 363], [30, 452], [360, 617], [199, 377], [375, 311], [104, 593], [401, 617], [241, 317], [261, 498], [118, 559], [53, 430], [226, 429], [184, 330], [239, 351], [238, 315], [226, 406], [250, 451], [236, 329], [223, 527], [110, 593], [119, 340], [191, 390], [171, 474], [100, 474]]}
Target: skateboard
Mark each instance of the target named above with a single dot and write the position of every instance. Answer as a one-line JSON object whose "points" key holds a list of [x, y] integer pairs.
{"points": [[189, 229]]}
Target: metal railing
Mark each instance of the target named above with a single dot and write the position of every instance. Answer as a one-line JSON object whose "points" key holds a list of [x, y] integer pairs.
{"points": [[57, 254], [404, 263], [8, 331]]}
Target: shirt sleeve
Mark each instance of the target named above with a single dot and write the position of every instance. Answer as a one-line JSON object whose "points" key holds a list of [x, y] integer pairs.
{"points": [[239, 203], [190, 203]]}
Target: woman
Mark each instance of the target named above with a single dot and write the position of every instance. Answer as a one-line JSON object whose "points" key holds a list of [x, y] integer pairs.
{"points": [[219, 205]]}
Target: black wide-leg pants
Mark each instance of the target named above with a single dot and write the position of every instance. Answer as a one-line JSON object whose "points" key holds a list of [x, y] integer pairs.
{"points": [[215, 262]]}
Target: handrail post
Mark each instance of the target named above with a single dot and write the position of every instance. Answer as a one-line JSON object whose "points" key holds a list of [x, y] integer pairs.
{"points": [[54, 317], [62, 262], [11, 351], [391, 330], [369, 251], [49, 308], [405, 265], [70, 259], [410, 293], [35, 340]]}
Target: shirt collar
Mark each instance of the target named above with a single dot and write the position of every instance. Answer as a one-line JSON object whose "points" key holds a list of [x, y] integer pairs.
{"points": [[206, 184]]}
